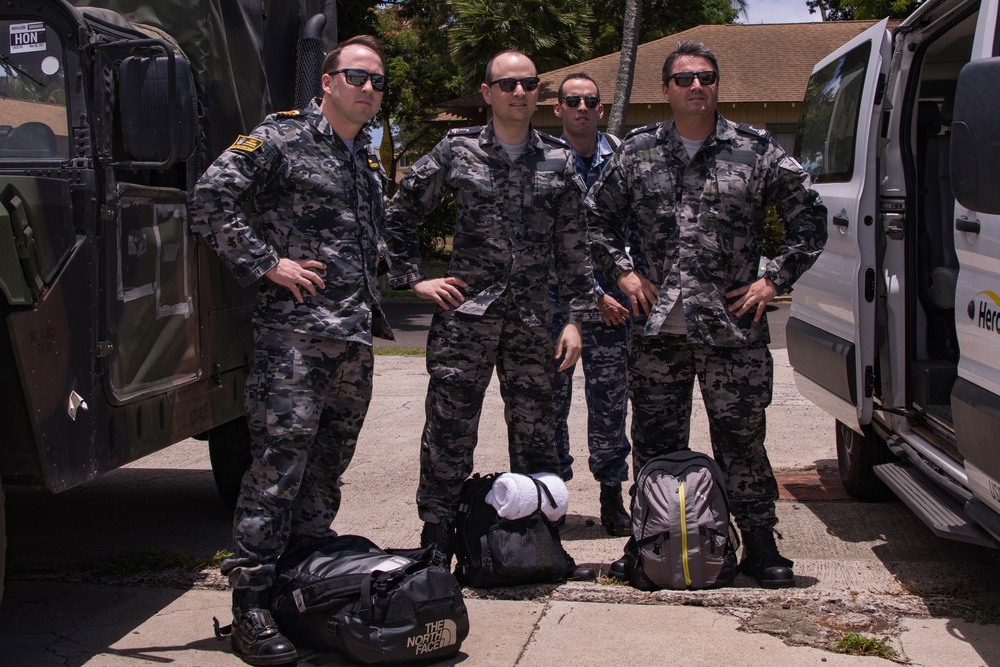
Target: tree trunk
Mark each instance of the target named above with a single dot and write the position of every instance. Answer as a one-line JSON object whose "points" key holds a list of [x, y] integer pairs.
{"points": [[626, 67]]}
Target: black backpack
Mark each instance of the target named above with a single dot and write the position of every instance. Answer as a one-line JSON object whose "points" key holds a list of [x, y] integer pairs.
{"points": [[682, 537], [344, 593], [491, 551]]}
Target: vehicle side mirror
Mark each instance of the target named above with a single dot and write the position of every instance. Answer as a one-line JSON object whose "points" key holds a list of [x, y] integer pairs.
{"points": [[157, 110], [975, 137]]}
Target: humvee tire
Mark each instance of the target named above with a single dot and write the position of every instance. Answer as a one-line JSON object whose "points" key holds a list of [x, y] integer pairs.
{"points": [[229, 451]]}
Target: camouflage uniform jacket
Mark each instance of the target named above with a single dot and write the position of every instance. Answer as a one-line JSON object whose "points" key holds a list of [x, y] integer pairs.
{"points": [[292, 189], [510, 218], [700, 224]]}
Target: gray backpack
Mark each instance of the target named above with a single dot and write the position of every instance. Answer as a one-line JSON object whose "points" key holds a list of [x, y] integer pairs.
{"points": [[681, 533]]}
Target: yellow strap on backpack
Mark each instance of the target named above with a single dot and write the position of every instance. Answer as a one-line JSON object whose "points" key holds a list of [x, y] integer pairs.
{"points": [[684, 537]]}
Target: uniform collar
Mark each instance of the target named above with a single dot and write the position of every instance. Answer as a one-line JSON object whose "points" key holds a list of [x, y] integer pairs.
{"points": [[314, 116], [724, 132], [488, 137]]}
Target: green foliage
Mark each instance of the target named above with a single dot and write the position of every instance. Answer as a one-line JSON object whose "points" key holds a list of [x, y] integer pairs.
{"points": [[659, 19], [774, 232], [420, 75], [853, 643], [553, 32], [437, 225], [847, 10]]}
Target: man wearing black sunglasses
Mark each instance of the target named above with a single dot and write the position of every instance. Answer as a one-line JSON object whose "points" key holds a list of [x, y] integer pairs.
{"points": [[578, 106], [517, 205], [297, 205], [698, 187]]}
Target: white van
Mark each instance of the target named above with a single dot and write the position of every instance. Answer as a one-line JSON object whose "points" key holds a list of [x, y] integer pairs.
{"points": [[895, 331]]}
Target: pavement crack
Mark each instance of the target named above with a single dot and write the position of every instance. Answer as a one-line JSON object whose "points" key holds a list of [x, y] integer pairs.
{"points": [[534, 631]]}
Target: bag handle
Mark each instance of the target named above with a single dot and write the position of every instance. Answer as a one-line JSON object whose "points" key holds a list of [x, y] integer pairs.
{"points": [[539, 488]]}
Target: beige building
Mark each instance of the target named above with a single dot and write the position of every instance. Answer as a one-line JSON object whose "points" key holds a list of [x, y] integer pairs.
{"points": [[764, 69]]}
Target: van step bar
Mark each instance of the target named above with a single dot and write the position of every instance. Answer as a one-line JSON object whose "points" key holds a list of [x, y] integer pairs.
{"points": [[942, 513]]}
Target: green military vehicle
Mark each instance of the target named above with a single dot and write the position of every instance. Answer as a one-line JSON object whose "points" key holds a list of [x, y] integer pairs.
{"points": [[122, 333]]}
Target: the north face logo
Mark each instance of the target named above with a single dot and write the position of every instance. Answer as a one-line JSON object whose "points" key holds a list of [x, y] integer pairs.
{"points": [[436, 636]]}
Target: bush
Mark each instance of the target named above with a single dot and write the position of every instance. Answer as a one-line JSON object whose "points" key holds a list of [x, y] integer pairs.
{"points": [[774, 232], [437, 226]]}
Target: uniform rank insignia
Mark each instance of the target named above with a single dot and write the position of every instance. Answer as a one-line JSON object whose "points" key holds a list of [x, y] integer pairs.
{"points": [[373, 163], [246, 144], [289, 114]]}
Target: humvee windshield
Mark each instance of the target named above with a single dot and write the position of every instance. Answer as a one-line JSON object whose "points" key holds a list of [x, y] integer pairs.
{"points": [[33, 121]]}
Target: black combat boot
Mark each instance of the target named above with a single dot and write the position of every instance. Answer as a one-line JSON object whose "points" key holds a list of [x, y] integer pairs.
{"points": [[576, 572], [614, 518], [256, 637], [762, 561], [441, 536]]}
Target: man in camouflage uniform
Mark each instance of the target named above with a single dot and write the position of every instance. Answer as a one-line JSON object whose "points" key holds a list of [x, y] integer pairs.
{"points": [[697, 187], [578, 106], [299, 202], [517, 205]]}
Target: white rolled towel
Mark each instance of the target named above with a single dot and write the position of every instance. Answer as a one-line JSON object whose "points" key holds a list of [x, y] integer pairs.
{"points": [[557, 487], [515, 496]]}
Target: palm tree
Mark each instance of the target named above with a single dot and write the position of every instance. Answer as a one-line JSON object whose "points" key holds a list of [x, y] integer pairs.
{"points": [[553, 33]]}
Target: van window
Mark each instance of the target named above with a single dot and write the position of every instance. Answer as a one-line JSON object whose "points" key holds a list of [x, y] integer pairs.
{"points": [[830, 111]]}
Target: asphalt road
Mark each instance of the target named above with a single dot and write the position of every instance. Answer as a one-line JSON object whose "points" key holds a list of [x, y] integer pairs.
{"points": [[410, 319]]}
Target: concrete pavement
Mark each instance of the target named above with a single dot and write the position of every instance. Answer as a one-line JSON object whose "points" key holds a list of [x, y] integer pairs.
{"points": [[860, 568]]}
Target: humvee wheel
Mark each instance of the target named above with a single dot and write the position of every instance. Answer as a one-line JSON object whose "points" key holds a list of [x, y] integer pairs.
{"points": [[229, 451], [857, 456]]}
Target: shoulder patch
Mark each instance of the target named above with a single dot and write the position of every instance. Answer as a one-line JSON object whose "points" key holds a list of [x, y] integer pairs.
{"points": [[294, 113], [464, 131], [373, 164], [645, 128], [746, 128], [246, 144]]}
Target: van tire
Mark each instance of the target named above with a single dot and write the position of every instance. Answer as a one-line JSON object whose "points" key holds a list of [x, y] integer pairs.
{"points": [[229, 452], [857, 456]]}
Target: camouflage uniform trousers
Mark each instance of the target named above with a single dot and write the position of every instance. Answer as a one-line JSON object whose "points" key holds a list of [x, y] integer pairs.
{"points": [[306, 400], [604, 360], [462, 352], [736, 386]]}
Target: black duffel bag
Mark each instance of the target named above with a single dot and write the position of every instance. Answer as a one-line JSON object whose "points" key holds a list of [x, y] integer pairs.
{"points": [[344, 593], [491, 551]]}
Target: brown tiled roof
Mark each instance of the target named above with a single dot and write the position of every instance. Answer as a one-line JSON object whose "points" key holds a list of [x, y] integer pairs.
{"points": [[758, 63]]}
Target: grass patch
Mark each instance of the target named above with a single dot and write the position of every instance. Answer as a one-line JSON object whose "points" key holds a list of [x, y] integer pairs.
{"points": [[153, 560], [399, 351], [853, 643], [983, 612]]}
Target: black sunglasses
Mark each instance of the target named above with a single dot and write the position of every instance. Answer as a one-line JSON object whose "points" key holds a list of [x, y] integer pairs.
{"points": [[529, 83], [357, 77], [573, 101], [685, 79]]}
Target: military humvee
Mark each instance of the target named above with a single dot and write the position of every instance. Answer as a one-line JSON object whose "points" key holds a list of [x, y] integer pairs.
{"points": [[122, 333]]}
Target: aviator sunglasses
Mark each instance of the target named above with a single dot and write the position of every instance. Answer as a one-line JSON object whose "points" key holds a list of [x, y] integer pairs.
{"points": [[685, 79], [357, 77], [573, 101], [529, 83]]}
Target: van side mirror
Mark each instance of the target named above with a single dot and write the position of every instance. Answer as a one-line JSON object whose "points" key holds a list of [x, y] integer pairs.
{"points": [[975, 137], [156, 105]]}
